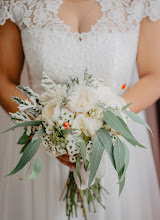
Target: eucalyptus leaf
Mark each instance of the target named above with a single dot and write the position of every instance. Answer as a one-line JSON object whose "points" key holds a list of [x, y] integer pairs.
{"points": [[116, 112], [119, 156], [78, 164], [121, 186], [126, 106], [67, 131], [27, 123], [24, 138], [96, 156], [38, 134], [24, 147], [26, 172], [137, 119], [115, 122], [131, 139], [28, 154], [36, 168], [106, 140], [120, 126], [83, 152], [126, 162]]}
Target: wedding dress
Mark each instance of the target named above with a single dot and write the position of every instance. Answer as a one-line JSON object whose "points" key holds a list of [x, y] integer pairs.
{"points": [[109, 51]]}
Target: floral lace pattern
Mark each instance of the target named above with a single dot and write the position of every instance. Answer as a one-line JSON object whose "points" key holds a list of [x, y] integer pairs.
{"points": [[108, 50], [116, 14]]}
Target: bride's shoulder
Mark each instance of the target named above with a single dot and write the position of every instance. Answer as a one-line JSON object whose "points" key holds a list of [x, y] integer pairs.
{"points": [[145, 8], [27, 13], [117, 14], [13, 10], [127, 14]]}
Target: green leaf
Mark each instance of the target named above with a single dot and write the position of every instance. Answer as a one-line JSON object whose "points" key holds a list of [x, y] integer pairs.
{"points": [[96, 156], [121, 186], [27, 123], [24, 138], [36, 168], [137, 119], [26, 172], [24, 147], [28, 154], [115, 112], [119, 156], [126, 106], [120, 126], [106, 140], [113, 121], [83, 152], [38, 134], [67, 131], [126, 162], [78, 163], [131, 139]]}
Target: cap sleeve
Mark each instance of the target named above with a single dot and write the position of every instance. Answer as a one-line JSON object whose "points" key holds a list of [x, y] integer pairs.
{"points": [[5, 12], [153, 9]]}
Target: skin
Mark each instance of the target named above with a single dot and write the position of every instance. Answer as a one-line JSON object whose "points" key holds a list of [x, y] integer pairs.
{"points": [[80, 15]]}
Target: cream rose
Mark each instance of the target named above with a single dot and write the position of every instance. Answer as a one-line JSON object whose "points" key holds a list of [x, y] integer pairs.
{"points": [[96, 113], [87, 125], [82, 100], [51, 111], [109, 98]]}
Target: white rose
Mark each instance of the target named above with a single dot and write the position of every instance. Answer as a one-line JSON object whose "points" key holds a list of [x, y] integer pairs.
{"points": [[96, 113], [51, 111], [82, 100], [109, 98], [87, 125]]}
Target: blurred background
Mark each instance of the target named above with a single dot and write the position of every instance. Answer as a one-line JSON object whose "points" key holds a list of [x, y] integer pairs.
{"points": [[152, 117]]}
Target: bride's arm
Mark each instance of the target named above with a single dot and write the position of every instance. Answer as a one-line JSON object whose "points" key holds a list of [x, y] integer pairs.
{"points": [[11, 64], [147, 90]]}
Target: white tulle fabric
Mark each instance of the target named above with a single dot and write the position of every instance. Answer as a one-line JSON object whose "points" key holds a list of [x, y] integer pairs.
{"points": [[109, 51]]}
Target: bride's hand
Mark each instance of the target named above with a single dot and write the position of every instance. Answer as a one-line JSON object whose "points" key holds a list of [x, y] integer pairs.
{"points": [[65, 160]]}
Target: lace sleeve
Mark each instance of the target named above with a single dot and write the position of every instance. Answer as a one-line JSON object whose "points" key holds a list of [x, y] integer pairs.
{"points": [[153, 10], [5, 12]]}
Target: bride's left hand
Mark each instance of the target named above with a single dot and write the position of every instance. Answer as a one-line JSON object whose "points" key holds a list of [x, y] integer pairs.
{"points": [[65, 160]]}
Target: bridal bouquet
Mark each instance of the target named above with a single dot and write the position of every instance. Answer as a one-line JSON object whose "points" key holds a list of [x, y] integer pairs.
{"points": [[82, 119]]}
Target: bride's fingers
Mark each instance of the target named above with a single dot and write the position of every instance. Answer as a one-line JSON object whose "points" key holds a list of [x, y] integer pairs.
{"points": [[69, 164], [64, 157]]}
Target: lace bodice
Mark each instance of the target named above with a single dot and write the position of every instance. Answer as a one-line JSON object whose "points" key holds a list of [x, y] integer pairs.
{"points": [[108, 50]]}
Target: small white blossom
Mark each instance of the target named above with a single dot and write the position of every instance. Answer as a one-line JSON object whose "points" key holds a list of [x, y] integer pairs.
{"points": [[49, 130], [60, 150], [66, 114], [45, 144], [72, 159], [47, 138], [89, 147]]}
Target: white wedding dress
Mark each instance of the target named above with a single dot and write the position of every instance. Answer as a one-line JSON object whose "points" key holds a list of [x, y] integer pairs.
{"points": [[109, 51]]}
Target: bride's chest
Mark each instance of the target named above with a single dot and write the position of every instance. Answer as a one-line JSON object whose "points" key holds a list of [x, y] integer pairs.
{"points": [[60, 54]]}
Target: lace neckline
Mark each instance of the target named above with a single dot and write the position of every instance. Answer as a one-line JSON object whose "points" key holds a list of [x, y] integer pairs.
{"points": [[93, 27]]}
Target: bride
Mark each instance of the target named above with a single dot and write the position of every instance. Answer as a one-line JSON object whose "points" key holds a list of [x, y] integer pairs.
{"points": [[63, 37]]}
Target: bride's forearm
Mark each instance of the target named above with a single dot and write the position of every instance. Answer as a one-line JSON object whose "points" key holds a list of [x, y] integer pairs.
{"points": [[7, 90], [144, 93]]}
